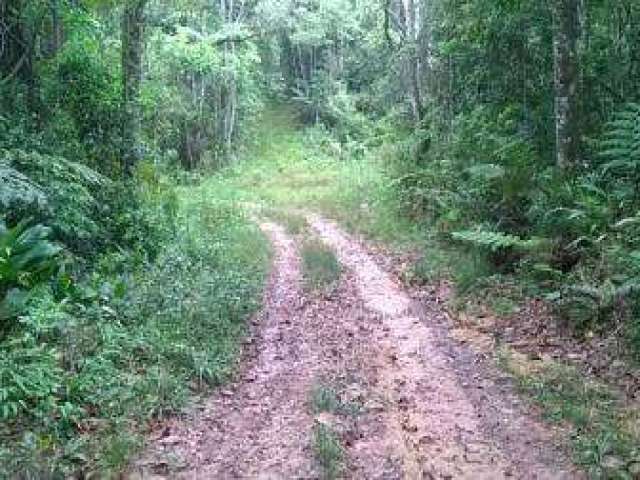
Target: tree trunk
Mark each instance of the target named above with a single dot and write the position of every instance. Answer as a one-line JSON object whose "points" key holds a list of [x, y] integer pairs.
{"points": [[16, 44], [565, 56], [411, 19], [55, 40], [132, 53]]}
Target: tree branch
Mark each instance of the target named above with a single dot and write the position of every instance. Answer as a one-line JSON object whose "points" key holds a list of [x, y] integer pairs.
{"points": [[15, 70]]}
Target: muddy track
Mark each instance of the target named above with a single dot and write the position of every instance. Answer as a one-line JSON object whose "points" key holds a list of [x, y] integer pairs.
{"points": [[426, 408]]}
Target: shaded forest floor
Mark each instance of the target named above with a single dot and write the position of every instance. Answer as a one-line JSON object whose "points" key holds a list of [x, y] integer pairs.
{"points": [[353, 370]]}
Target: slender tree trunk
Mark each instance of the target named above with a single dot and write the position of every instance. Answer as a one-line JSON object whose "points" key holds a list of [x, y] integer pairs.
{"points": [[18, 52], [565, 56], [56, 27], [425, 50], [411, 30], [132, 54]]}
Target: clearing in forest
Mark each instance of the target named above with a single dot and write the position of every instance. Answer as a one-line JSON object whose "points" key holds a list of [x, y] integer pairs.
{"points": [[344, 374]]}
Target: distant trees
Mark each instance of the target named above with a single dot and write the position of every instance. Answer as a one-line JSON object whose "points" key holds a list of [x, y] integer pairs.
{"points": [[564, 66], [314, 39]]}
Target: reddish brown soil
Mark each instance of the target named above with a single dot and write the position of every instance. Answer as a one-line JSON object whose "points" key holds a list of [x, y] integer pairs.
{"points": [[424, 407]]}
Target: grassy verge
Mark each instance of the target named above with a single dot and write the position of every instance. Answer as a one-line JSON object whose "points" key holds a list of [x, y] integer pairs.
{"points": [[293, 167], [325, 398], [294, 223], [85, 376], [320, 267], [605, 434]]}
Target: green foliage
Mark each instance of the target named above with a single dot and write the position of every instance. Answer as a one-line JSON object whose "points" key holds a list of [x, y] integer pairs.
{"points": [[324, 399], [327, 398], [620, 149], [18, 194], [87, 93], [27, 257], [58, 191], [215, 94], [328, 450], [573, 235], [495, 241], [86, 211], [599, 423], [30, 374], [587, 306], [81, 377]]}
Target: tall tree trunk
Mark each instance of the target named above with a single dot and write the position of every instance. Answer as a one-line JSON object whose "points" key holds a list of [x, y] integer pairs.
{"points": [[17, 50], [132, 53], [565, 56], [56, 27], [288, 62], [411, 29]]}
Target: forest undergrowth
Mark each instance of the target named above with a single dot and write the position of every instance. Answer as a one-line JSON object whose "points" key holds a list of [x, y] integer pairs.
{"points": [[95, 360]]}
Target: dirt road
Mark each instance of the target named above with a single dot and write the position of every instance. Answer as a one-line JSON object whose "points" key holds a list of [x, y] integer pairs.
{"points": [[410, 403]]}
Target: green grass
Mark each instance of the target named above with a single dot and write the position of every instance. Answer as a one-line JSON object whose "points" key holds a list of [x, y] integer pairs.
{"points": [[602, 429], [320, 267], [327, 404], [291, 166], [294, 223], [326, 398], [328, 451]]}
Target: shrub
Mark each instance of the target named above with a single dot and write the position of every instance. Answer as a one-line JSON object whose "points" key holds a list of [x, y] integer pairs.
{"points": [[27, 257], [80, 378], [65, 193]]}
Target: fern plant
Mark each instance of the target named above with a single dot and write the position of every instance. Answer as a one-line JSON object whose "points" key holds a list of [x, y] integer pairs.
{"points": [[621, 144], [19, 194], [496, 241], [69, 189], [585, 305]]}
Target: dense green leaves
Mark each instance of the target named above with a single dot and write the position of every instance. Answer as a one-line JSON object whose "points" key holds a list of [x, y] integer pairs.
{"points": [[27, 257]]}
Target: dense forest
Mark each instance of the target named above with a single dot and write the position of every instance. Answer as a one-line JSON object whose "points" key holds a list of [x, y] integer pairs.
{"points": [[500, 139]]}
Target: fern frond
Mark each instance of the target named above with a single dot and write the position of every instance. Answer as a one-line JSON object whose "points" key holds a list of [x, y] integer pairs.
{"points": [[495, 241], [620, 147]]}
